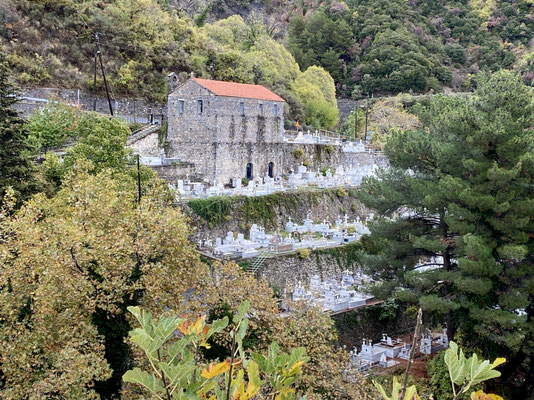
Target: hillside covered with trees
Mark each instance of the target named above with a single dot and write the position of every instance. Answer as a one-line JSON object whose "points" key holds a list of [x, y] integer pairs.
{"points": [[100, 283], [367, 46]]}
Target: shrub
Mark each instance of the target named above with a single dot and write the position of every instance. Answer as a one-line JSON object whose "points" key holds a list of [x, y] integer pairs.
{"points": [[298, 153], [341, 192], [303, 253]]}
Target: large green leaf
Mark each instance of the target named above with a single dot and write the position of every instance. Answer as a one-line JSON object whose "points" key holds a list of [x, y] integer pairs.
{"points": [[178, 348], [217, 326], [166, 326], [455, 361], [242, 310], [177, 373], [141, 338], [150, 382], [143, 317]]}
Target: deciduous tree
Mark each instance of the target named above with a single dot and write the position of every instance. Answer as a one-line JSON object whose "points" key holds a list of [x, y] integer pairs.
{"points": [[70, 267]]}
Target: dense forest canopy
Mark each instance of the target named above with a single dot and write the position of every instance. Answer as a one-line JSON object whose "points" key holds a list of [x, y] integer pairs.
{"points": [[396, 46], [367, 46]]}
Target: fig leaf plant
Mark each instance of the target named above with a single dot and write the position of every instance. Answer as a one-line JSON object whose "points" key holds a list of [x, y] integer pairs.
{"points": [[176, 371]]}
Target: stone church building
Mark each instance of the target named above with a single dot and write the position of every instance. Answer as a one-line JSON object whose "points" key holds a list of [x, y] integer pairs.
{"points": [[218, 131], [226, 129]]}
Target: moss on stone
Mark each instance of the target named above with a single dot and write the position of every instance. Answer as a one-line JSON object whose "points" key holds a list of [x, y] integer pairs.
{"points": [[213, 210], [264, 210]]}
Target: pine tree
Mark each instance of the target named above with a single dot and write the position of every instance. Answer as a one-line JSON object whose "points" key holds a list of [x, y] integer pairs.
{"points": [[461, 189], [17, 169]]}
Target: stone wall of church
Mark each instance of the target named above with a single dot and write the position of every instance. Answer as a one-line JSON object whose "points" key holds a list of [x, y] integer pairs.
{"points": [[177, 170], [221, 135], [231, 159]]}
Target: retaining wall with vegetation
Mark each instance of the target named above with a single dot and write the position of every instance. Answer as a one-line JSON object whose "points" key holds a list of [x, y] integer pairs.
{"points": [[216, 216]]}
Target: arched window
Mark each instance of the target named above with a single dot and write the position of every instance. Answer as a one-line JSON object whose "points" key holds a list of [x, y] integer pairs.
{"points": [[249, 171], [271, 169]]}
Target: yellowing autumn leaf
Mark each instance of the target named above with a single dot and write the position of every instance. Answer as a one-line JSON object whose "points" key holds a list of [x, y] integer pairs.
{"points": [[241, 394], [215, 369], [284, 393], [187, 328], [295, 367], [498, 361], [480, 395]]}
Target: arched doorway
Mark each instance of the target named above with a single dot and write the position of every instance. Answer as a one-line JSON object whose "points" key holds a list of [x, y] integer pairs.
{"points": [[271, 169], [249, 172]]}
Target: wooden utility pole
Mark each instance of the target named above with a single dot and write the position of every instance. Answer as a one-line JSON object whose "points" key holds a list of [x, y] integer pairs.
{"points": [[138, 181], [94, 86], [99, 54], [366, 113], [356, 120]]}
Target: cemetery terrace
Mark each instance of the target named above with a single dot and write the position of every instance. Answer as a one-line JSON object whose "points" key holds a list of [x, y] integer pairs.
{"points": [[309, 235]]}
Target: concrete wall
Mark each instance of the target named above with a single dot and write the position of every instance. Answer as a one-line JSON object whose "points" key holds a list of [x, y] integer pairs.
{"points": [[220, 141]]}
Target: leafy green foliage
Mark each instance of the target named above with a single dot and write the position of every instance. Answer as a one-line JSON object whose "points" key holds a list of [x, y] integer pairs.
{"points": [[438, 377], [101, 140], [53, 124], [354, 125], [410, 393], [177, 373], [467, 372], [98, 139], [463, 372], [213, 210], [70, 266], [316, 91], [379, 46]]}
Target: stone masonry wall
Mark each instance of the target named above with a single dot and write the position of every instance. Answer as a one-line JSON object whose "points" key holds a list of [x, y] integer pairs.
{"points": [[285, 157], [345, 107], [138, 110], [219, 140], [147, 146], [286, 271], [319, 156], [216, 216], [177, 170]]}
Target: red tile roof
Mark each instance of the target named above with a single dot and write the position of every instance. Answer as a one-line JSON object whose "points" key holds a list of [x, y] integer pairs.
{"points": [[233, 89]]}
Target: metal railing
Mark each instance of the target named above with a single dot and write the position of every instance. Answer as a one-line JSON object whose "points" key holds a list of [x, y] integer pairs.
{"points": [[258, 262]]}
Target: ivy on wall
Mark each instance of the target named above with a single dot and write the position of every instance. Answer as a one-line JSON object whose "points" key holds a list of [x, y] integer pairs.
{"points": [[262, 209]]}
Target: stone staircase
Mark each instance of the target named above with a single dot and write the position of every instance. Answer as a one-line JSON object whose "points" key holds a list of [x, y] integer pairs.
{"points": [[258, 261]]}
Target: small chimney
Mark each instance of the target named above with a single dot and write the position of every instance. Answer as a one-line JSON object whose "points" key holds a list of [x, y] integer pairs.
{"points": [[192, 74]]}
